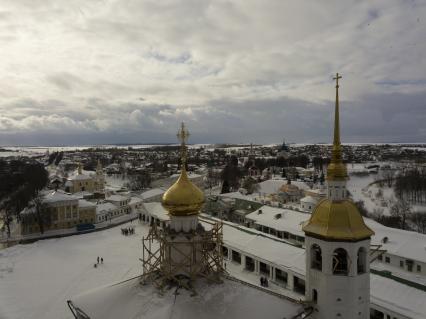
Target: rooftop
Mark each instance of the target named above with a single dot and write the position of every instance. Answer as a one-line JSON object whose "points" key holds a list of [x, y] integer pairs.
{"points": [[58, 196], [280, 219], [157, 210], [227, 300], [117, 198], [152, 193]]}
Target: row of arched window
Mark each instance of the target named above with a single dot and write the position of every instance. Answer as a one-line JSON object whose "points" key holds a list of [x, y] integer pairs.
{"points": [[340, 260]]}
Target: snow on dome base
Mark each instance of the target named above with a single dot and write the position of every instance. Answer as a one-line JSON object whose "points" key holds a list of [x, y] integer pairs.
{"points": [[130, 299]]}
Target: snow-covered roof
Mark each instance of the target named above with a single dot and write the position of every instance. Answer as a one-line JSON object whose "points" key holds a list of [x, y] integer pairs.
{"points": [[152, 193], [397, 297], [82, 203], [82, 194], [404, 243], [135, 200], [318, 191], [272, 186], [58, 196], [105, 207], [238, 195], [157, 210], [230, 299], [280, 219], [289, 257], [309, 199], [117, 198]]}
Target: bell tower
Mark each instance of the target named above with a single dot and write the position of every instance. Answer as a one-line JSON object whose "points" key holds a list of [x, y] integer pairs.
{"points": [[337, 246]]}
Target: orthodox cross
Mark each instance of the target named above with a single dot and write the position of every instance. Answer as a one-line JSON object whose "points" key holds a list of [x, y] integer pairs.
{"points": [[183, 136], [337, 80]]}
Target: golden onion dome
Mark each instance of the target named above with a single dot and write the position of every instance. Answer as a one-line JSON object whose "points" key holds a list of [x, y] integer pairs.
{"points": [[183, 198], [337, 220]]}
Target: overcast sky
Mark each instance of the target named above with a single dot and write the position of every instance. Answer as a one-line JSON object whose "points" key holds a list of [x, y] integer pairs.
{"points": [[109, 71]]}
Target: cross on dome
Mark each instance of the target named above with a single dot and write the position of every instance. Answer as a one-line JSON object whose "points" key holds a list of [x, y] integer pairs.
{"points": [[183, 135]]}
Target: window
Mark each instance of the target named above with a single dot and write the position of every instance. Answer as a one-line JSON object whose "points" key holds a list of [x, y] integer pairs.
{"points": [[361, 261], [314, 295], [316, 257], [401, 264], [249, 264], [410, 264], [264, 268], [380, 257], [281, 276], [387, 260], [419, 268], [340, 262], [236, 256]]}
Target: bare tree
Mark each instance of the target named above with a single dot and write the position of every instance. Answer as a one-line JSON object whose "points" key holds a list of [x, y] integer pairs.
{"points": [[388, 176], [5, 215], [419, 219], [42, 215], [401, 209]]}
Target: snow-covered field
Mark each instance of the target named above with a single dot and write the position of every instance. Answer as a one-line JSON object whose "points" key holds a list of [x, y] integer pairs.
{"points": [[360, 188], [37, 279]]}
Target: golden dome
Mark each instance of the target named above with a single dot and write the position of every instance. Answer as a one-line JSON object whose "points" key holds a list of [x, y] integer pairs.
{"points": [[338, 220], [183, 198]]}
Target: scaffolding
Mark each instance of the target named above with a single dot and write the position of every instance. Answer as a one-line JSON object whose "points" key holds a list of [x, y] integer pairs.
{"points": [[169, 260]]}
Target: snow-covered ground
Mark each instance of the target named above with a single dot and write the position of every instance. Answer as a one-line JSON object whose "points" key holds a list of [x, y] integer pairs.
{"points": [[360, 188], [37, 279]]}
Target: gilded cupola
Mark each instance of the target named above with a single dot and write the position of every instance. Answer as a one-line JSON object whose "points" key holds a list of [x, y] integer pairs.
{"points": [[183, 198]]}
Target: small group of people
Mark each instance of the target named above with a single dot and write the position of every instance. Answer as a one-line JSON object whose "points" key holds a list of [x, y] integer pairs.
{"points": [[264, 281], [127, 231], [99, 259]]}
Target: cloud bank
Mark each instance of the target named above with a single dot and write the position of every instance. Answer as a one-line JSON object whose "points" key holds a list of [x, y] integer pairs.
{"points": [[85, 72]]}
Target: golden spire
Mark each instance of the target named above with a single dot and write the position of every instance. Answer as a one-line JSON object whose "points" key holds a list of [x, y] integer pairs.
{"points": [[183, 198], [336, 169], [337, 219]]}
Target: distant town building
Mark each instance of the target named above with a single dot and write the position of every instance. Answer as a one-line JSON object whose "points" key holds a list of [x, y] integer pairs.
{"points": [[86, 182], [59, 211]]}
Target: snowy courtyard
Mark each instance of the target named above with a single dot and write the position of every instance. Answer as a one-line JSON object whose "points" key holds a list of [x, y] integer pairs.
{"points": [[37, 279]]}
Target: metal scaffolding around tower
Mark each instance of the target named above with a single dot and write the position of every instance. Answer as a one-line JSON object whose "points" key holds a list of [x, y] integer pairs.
{"points": [[199, 255], [184, 249]]}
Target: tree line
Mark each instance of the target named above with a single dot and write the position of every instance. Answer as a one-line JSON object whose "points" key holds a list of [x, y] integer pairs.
{"points": [[21, 182], [410, 185]]}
